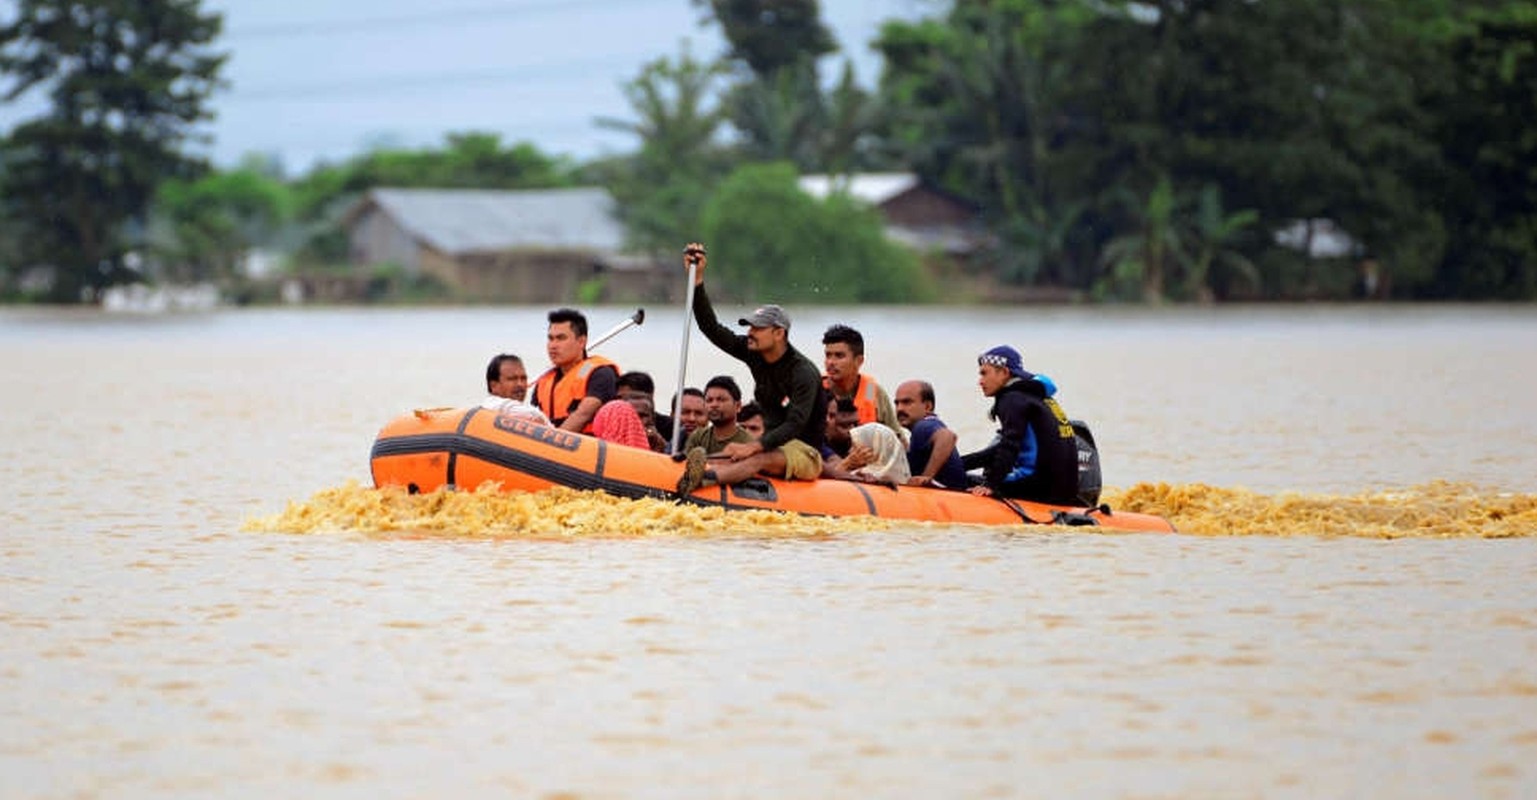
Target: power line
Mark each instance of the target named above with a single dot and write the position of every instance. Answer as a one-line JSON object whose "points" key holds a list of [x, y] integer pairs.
{"points": [[546, 73], [567, 127], [303, 151], [439, 18], [356, 140]]}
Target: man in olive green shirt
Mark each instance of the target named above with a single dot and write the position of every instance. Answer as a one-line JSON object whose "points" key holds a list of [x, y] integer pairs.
{"points": [[722, 401]]}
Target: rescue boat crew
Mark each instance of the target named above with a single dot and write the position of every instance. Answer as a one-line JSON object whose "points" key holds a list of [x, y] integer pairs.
{"points": [[843, 356], [577, 384]]}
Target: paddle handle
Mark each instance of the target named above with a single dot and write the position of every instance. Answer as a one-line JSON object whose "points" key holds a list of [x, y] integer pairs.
{"points": [[634, 319], [688, 323]]}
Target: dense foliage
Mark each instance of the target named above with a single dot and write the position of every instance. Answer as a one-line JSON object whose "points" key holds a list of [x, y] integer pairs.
{"points": [[773, 240], [770, 35], [1144, 150], [203, 228], [661, 190], [127, 81], [1152, 147]]}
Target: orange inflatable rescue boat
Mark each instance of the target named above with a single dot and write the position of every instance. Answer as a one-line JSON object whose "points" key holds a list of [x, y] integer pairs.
{"points": [[428, 449]]}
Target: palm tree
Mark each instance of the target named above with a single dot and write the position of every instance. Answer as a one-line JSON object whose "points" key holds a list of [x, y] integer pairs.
{"points": [[662, 189], [780, 116], [1177, 240], [852, 116], [672, 103], [1145, 256], [1211, 232]]}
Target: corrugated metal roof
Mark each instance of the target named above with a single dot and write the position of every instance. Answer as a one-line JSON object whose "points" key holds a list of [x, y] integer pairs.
{"points": [[873, 188], [463, 220]]}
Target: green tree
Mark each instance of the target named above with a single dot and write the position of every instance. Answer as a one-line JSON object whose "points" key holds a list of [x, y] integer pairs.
{"points": [[769, 241], [770, 35], [1173, 243], [853, 117], [10, 241], [1215, 257], [777, 105], [1050, 112], [975, 102], [662, 189], [211, 223], [467, 160], [787, 117], [1297, 110], [780, 116], [11, 252], [1140, 259], [1485, 113], [1040, 245], [128, 81]]}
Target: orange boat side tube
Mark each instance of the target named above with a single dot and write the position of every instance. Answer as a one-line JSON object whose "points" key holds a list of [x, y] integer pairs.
{"points": [[425, 450]]}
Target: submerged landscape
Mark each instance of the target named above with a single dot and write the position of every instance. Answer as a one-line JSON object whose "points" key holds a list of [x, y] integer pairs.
{"points": [[1280, 256]]}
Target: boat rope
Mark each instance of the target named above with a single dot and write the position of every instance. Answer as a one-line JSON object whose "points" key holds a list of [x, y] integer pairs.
{"points": [[1058, 517], [1013, 506]]}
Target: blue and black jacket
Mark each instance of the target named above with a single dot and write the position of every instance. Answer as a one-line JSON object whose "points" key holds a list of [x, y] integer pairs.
{"points": [[1034, 456]]}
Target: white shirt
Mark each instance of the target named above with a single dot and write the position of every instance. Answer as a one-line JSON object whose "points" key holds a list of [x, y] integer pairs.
{"points": [[514, 408]]}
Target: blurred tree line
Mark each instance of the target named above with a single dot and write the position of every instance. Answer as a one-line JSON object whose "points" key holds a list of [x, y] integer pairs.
{"points": [[1154, 148], [1142, 150]]}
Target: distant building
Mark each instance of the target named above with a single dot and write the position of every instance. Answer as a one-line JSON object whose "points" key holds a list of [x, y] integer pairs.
{"points": [[918, 215], [533, 246], [259, 263], [1318, 238]]}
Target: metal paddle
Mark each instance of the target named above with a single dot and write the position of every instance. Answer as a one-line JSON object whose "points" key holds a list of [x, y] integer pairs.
{"points": [[634, 319], [688, 323]]}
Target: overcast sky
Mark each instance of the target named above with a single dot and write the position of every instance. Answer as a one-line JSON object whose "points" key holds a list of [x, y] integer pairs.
{"points": [[324, 79]]}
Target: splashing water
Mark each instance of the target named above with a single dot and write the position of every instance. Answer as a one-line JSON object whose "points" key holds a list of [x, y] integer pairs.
{"points": [[1438, 509], [557, 513]]}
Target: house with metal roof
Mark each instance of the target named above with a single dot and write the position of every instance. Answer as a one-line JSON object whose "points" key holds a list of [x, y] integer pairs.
{"points": [[918, 215], [525, 246]]}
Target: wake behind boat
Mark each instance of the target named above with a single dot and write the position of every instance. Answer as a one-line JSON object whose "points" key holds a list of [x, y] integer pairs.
{"points": [[429, 449]]}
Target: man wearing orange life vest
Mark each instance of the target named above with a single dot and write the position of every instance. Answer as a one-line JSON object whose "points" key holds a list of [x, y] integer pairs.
{"points": [[843, 351], [577, 384]]}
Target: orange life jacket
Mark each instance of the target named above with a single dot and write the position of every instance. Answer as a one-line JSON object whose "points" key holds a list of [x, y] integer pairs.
{"points": [[558, 399], [865, 393]]}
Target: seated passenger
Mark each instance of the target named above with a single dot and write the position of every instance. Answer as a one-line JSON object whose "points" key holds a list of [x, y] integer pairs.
{"points": [[639, 384], [931, 457], [647, 414], [750, 418], [882, 456], [842, 418], [722, 402], [843, 350], [617, 422], [1034, 456], [691, 414], [506, 386], [842, 457]]}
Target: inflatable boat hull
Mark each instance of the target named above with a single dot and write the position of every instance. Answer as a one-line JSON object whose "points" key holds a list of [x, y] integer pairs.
{"points": [[425, 450]]}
